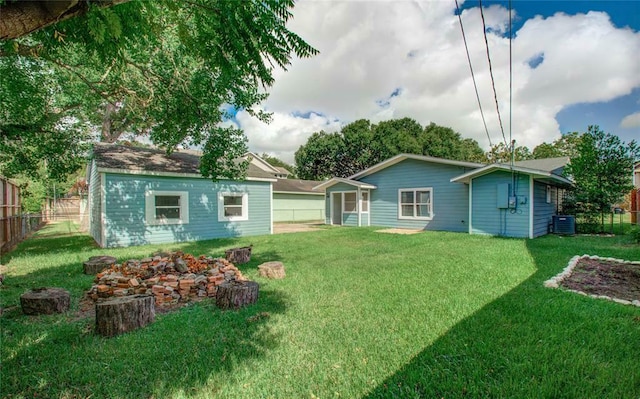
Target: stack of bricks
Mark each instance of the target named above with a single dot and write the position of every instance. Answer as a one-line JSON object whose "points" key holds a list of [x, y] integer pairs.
{"points": [[170, 277]]}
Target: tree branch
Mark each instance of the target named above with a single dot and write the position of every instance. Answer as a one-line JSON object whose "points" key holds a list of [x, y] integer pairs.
{"points": [[20, 18]]}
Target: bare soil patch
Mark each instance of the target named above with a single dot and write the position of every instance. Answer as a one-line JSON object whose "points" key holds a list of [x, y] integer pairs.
{"points": [[604, 277]]}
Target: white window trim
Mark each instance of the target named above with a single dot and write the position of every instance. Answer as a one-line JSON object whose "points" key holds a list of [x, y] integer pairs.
{"points": [[245, 207], [401, 190], [368, 201], [344, 201], [150, 207], [548, 194]]}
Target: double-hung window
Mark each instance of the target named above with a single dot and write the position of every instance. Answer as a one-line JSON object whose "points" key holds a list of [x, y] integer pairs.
{"points": [[350, 202], [167, 207], [233, 207], [415, 203]]}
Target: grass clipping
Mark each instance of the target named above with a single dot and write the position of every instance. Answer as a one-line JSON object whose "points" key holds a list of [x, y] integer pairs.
{"points": [[613, 279]]}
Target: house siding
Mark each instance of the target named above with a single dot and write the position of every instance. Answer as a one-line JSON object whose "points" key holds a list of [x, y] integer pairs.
{"points": [[297, 207], [542, 211], [488, 218], [95, 204], [124, 210], [450, 200]]}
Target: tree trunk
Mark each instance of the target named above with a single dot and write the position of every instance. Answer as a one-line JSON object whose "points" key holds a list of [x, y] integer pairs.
{"points": [[238, 256], [236, 294], [45, 301], [19, 18], [120, 315], [96, 264]]}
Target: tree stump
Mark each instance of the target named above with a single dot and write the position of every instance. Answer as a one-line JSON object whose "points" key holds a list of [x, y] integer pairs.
{"points": [[119, 315], [45, 301], [238, 256], [236, 294], [96, 264], [272, 270]]}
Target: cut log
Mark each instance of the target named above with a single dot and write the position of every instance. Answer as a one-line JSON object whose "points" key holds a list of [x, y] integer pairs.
{"points": [[236, 294], [273, 270], [238, 256], [120, 315], [96, 264], [45, 301]]}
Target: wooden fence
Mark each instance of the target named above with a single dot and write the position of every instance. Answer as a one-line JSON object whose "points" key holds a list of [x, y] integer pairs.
{"points": [[13, 225]]}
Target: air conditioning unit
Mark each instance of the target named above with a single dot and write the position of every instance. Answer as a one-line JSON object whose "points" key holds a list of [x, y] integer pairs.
{"points": [[564, 224]]}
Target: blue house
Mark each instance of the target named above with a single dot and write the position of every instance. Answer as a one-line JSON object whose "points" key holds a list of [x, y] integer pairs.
{"points": [[428, 193], [142, 196]]}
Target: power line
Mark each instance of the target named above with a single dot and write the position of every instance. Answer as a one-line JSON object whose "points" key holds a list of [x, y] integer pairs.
{"points": [[473, 77], [493, 83], [511, 83]]}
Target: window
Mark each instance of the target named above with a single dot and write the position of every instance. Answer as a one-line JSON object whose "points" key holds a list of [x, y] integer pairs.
{"points": [[167, 207], [548, 194], [350, 202], [233, 207], [415, 204], [365, 201]]}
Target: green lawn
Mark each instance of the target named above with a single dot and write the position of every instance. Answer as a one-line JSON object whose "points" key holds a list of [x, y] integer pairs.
{"points": [[360, 314]]}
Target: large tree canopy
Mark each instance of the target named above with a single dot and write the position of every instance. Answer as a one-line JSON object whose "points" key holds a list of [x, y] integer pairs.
{"points": [[602, 169], [361, 144], [169, 70]]}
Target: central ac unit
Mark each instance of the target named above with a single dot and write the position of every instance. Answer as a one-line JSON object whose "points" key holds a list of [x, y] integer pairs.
{"points": [[564, 224]]}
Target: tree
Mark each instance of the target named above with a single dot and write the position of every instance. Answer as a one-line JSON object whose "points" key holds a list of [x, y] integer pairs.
{"points": [[565, 146], [395, 137], [275, 161], [163, 69], [361, 144], [318, 158], [500, 153], [602, 171], [444, 142]]}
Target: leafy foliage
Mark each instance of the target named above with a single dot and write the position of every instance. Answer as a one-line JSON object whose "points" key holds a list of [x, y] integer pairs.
{"points": [[602, 171], [361, 144], [500, 153], [163, 69], [275, 161], [565, 146]]}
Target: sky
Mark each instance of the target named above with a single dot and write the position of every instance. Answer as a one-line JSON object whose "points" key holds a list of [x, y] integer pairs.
{"points": [[573, 64]]}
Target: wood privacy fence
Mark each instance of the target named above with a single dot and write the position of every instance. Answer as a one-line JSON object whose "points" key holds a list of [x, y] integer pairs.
{"points": [[13, 225]]}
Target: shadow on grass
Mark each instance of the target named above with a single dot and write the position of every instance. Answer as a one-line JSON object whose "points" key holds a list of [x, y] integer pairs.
{"points": [[533, 341], [179, 352]]}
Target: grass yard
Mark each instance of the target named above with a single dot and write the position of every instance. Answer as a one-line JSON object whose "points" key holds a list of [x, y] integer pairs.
{"points": [[360, 314]]}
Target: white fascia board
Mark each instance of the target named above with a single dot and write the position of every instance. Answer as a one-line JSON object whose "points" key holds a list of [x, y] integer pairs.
{"points": [[466, 178], [337, 180], [401, 157]]}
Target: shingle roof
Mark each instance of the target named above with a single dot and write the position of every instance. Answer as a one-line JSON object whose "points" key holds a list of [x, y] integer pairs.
{"points": [[553, 165], [296, 186], [138, 159]]}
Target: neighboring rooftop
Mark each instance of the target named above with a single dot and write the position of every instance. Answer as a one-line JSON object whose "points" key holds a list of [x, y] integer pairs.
{"points": [[552, 165], [296, 186], [139, 159]]}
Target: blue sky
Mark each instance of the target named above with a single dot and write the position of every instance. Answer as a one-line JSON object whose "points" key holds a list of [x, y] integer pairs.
{"points": [[576, 117], [575, 63]]}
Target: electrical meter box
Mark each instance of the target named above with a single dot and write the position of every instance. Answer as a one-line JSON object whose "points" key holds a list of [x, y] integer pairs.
{"points": [[503, 195]]}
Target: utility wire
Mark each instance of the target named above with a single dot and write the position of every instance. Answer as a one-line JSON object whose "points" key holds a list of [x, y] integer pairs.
{"points": [[493, 83], [473, 77], [511, 86]]}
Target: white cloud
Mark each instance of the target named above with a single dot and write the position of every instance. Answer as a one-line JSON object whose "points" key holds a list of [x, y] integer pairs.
{"points": [[370, 49], [285, 134], [631, 121]]}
